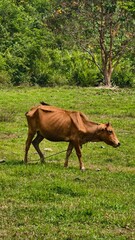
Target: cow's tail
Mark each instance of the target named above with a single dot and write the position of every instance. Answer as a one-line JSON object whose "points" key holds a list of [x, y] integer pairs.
{"points": [[43, 103]]}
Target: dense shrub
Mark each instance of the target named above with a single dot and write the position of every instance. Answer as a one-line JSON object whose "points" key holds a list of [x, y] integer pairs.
{"points": [[124, 74], [84, 73], [4, 75], [58, 67]]}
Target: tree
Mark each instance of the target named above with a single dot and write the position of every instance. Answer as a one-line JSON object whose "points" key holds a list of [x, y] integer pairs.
{"points": [[23, 36], [102, 28]]}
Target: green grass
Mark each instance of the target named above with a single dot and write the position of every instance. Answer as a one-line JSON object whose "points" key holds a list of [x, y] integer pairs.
{"points": [[48, 202]]}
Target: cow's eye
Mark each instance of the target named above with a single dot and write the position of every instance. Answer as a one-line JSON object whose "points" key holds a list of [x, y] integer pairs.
{"points": [[110, 132]]}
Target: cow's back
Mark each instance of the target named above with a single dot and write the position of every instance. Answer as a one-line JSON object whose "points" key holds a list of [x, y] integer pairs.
{"points": [[56, 124]]}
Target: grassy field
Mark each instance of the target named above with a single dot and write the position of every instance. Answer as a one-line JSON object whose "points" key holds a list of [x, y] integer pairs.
{"points": [[48, 202]]}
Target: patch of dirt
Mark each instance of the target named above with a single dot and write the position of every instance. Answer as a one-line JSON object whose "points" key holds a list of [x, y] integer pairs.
{"points": [[7, 135], [107, 87], [111, 168]]}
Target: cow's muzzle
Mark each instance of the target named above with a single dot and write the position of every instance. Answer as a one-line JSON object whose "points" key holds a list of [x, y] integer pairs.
{"points": [[117, 145]]}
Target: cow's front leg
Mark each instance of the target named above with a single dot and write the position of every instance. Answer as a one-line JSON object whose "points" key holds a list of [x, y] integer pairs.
{"points": [[69, 151], [79, 155]]}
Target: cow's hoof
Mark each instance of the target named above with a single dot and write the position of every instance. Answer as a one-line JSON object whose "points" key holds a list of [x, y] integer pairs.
{"points": [[2, 161], [65, 166], [42, 162], [83, 169]]}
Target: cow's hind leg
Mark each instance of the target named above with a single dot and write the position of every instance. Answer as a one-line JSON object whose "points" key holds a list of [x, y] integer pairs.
{"points": [[79, 155], [69, 151], [28, 143], [35, 143]]}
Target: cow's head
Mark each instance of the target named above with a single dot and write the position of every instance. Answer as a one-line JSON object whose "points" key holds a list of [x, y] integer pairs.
{"points": [[107, 134]]}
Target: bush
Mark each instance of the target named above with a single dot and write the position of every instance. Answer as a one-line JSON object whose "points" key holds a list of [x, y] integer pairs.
{"points": [[83, 72], [4, 75], [57, 67], [51, 67], [4, 79], [123, 75]]}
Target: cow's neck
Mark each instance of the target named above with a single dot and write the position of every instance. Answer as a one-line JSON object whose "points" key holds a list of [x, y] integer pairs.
{"points": [[91, 134]]}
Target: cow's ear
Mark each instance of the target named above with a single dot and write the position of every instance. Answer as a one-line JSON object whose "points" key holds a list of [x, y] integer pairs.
{"points": [[107, 125]]}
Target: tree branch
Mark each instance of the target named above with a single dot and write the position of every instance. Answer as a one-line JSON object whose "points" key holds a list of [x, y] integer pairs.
{"points": [[93, 58], [121, 51]]}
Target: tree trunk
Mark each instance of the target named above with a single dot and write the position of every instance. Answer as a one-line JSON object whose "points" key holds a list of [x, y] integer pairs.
{"points": [[107, 66], [107, 77]]}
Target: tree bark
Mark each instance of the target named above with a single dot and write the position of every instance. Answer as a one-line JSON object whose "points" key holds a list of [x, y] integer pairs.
{"points": [[107, 78]]}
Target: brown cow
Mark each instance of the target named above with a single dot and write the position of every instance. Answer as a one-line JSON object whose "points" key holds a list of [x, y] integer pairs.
{"points": [[56, 124]]}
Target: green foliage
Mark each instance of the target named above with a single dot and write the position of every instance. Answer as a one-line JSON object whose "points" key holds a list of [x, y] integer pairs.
{"points": [[124, 74], [104, 27], [22, 39], [4, 75], [35, 48], [83, 72], [58, 67]]}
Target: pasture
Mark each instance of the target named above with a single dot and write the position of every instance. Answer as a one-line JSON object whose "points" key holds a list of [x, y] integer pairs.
{"points": [[49, 202]]}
